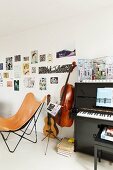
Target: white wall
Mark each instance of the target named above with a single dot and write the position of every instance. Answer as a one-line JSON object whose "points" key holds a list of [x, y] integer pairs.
{"points": [[90, 34]]}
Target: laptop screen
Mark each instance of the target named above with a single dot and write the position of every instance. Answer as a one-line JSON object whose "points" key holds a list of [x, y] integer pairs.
{"points": [[104, 97]]}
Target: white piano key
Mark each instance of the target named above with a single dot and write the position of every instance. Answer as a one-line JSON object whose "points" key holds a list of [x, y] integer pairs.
{"points": [[95, 115]]}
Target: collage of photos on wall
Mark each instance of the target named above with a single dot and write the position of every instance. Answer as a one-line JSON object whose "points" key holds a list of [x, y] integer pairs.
{"points": [[98, 69], [21, 70]]}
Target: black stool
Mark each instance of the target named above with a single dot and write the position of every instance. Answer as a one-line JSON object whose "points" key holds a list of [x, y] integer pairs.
{"points": [[100, 145]]}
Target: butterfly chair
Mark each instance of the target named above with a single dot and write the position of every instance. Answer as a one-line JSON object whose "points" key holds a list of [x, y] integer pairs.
{"points": [[22, 120]]}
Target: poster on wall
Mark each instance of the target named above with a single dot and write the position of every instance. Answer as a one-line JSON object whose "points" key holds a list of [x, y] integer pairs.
{"points": [[26, 58], [1, 66], [42, 57], [42, 84], [17, 71], [29, 82], [9, 84], [1, 80], [65, 53], [84, 69], [95, 69], [33, 69], [99, 69], [88, 69], [17, 58], [9, 63], [50, 57], [109, 68], [5, 75], [55, 69], [53, 80], [26, 69], [16, 85], [34, 56], [81, 70]]}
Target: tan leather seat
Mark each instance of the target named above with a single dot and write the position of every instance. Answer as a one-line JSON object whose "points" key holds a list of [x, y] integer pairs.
{"points": [[21, 119], [28, 108]]}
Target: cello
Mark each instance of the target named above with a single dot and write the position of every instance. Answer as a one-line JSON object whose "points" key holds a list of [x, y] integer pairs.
{"points": [[63, 118]]}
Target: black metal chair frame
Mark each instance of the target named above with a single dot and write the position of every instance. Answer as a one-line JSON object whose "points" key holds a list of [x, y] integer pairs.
{"points": [[24, 129]]}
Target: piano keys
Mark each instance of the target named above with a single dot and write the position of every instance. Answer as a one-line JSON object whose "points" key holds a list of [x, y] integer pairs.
{"points": [[96, 115], [88, 118]]}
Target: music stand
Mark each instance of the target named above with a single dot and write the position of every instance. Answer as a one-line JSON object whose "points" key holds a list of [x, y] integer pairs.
{"points": [[49, 133], [50, 128]]}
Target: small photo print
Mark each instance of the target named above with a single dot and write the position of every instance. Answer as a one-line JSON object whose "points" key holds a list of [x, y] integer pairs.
{"points": [[1, 66], [1, 80], [16, 85], [54, 80], [6, 75], [9, 84], [34, 56], [17, 71], [49, 57], [9, 63], [42, 57], [42, 84], [26, 58], [33, 69], [26, 68], [29, 82], [17, 58]]}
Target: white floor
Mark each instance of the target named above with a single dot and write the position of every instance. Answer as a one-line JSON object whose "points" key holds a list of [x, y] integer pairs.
{"points": [[29, 156]]}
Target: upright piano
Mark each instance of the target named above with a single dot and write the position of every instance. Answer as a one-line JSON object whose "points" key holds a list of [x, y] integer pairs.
{"points": [[89, 118]]}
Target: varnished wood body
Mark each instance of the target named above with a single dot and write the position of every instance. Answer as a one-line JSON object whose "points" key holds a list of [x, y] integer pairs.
{"points": [[65, 120], [50, 127]]}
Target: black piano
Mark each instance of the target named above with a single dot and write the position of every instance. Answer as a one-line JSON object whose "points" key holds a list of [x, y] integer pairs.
{"points": [[89, 118]]}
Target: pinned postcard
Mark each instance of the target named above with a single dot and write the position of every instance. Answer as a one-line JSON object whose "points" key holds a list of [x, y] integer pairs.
{"points": [[26, 69], [33, 69], [42, 83], [29, 82], [26, 58], [42, 57], [1, 66], [34, 56], [17, 71], [17, 58], [9, 63]]}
